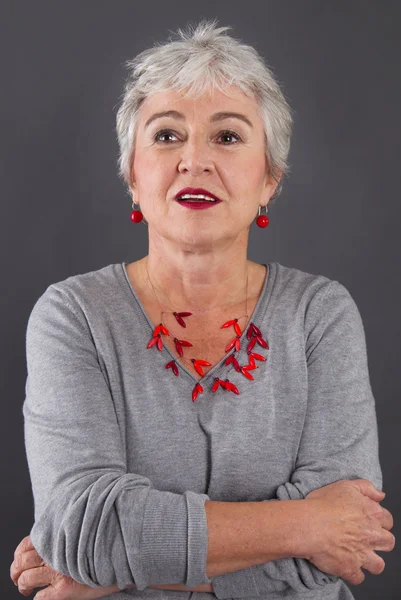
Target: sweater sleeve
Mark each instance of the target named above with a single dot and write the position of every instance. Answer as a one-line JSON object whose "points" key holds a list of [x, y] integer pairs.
{"points": [[94, 521], [339, 438]]}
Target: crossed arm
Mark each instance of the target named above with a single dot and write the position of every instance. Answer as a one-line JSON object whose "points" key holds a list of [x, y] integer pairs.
{"points": [[340, 407]]}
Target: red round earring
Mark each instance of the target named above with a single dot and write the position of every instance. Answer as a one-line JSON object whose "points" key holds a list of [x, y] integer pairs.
{"points": [[136, 215], [262, 220]]}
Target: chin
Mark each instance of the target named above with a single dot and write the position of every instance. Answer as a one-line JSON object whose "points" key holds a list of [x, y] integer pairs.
{"points": [[197, 235]]}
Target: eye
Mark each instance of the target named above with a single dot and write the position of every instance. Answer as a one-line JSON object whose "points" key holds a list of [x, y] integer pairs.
{"points": [[162, 133], [228, 133]]}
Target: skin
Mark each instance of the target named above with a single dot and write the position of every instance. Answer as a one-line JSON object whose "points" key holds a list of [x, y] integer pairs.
{"points": [[197, 258], [198, 261], [28, 571], [348, 526]]}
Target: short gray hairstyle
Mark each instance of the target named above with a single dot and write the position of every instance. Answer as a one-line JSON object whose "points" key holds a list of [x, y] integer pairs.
{"points": [[202, 57]]}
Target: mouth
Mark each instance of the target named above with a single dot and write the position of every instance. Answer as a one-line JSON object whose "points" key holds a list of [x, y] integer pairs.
{"points": [[196, 198]]}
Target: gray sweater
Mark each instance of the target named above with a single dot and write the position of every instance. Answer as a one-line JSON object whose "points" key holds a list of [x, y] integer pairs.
{"points": [[122, 459]]}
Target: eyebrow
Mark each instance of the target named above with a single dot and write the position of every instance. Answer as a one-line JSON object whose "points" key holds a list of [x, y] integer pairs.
{"points": [[219, 116]]}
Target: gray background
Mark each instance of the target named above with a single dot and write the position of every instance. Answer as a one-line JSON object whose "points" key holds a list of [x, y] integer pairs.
{"points": [[64, 210]]}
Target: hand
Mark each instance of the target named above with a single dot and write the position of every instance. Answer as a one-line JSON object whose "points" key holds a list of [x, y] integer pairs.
{"points": [[348, 525], [29, 571]]}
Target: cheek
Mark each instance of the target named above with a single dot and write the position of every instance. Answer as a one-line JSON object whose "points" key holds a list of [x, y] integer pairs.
{"points": [[245, 170], [142, 165], [256, 168], [152, 173]]}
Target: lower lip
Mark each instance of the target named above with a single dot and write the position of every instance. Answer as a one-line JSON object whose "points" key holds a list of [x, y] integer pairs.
{"points": [[198, 205]]}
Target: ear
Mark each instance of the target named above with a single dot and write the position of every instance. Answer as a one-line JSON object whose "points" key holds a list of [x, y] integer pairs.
{"points": [[272, 183]]}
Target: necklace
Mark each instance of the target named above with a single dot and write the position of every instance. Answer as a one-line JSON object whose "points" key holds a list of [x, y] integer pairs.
{"points": [[253, 334]]}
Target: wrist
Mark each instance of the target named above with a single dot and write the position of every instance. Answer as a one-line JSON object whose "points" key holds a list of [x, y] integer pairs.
{"points": [[101, 592], [305, 531], [293, 521]]}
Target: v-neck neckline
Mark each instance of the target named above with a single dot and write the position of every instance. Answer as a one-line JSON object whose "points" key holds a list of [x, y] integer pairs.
{"points": [[262, 300]]}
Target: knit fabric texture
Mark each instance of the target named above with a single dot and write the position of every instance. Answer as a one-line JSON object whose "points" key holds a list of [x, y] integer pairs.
{"points": [[122, 461]]}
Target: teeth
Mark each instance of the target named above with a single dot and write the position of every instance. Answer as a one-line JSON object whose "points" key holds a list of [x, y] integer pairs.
{"points": [[195, 197]]}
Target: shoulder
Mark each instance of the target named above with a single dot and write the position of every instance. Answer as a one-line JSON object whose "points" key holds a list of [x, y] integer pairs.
{"points": [[80, 293], [303, 286], [316, 298], [299, 283]]}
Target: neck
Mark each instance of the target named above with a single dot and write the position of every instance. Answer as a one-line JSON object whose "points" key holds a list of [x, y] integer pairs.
{"points": [[197, 280]]}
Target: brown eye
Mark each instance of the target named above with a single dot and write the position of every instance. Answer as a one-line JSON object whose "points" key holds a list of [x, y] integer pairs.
{"points": [[163, 132], [227, 134]]}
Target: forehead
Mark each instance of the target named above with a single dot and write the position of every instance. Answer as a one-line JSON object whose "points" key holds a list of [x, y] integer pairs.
{"points": [[202, 106]]}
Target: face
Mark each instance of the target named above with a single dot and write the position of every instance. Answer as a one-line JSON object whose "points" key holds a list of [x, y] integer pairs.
{"points": [[199, 148]]}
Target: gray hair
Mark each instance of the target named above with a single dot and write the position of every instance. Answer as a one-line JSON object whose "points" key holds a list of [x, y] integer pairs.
{"points": [[201, 58]]}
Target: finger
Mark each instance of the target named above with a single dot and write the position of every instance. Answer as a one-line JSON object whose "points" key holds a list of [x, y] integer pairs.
{"points": [[374, 564], [24, 561], [381, 539], [386, 542], [367, 488], [48, 593], [354, 577], [383, 515], [33, 578], [386, 519], [25, 544]]}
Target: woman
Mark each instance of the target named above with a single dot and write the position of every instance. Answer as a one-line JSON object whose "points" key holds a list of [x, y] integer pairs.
{"points": [[170, 400]]}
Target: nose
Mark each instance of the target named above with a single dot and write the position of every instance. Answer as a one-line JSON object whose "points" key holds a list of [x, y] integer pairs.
{"points": [[195, 158]]}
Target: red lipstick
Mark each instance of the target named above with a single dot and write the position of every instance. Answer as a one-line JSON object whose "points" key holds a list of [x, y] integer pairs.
{"points": [[197, 204]]}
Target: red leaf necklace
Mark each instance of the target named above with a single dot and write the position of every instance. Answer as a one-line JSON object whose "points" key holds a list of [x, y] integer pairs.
{"points": [[253, 334]]}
